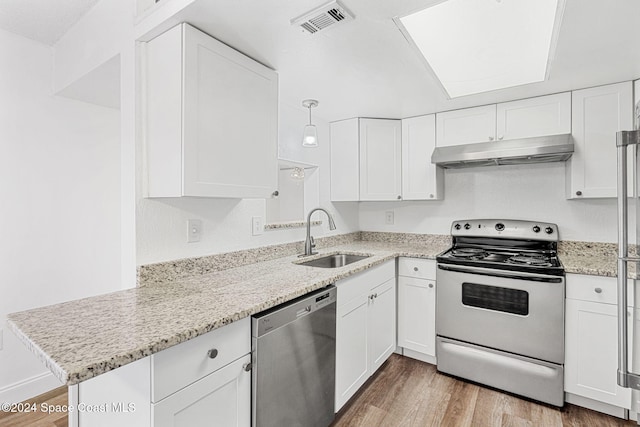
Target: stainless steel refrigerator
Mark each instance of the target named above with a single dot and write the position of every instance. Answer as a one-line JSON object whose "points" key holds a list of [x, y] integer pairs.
{"points": [[629, 326]]}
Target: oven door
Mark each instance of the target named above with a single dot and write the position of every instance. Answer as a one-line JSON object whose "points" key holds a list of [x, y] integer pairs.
{"points": [[516, 312]]}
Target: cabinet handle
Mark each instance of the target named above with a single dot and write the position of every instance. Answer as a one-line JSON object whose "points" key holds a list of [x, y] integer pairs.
{"points": [[275, 193], [375, 295], [415, 268], [399, 197], [247, 367], [431, 196], [490, 138], [598, 290], [213, 353], [500, 137], [578, 193], [431, 285]]}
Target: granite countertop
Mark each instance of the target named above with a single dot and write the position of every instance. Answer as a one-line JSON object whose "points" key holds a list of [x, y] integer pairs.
{"points": [[81, 339]]}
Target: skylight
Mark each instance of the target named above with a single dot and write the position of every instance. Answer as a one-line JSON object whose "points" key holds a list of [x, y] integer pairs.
{"points": [[475, 46]]}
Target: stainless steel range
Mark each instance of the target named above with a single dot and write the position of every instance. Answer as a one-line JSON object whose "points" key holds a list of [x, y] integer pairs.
{"points": [[500, 307]]}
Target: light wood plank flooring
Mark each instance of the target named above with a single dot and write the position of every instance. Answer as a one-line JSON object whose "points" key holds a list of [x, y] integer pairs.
{"points": [[406, 392]]}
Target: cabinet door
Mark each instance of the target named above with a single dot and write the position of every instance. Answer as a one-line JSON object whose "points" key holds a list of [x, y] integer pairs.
{"points": [[351, 348], [597, 114], [544, 115], [222, 398], [345, 161], [380, 159], [417, 315], [230, 115], [466, 126], [421, 179], [382, 324], [591, 359]]}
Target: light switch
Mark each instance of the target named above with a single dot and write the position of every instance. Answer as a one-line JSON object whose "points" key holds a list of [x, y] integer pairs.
{"points": [[194, 230]]}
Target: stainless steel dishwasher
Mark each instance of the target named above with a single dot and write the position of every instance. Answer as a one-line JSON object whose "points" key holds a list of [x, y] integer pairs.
{"points": [[294, 357]]}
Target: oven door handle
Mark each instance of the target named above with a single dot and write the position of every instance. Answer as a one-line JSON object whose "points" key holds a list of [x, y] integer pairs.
{"points": [[507, 275]]}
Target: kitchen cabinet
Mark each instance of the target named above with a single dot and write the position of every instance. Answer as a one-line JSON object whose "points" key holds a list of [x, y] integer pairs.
{"points": [[524, 118], [466, 126], [421, 179], [210, 119], [531, 117], [203, 381], [380, 159], [597, 114], [591, 348], [417, 308], [365, 327], [345, 160]]}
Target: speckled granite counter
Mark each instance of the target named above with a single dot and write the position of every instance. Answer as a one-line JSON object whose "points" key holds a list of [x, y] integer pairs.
{"points": [[182, 299], [81, 339]]}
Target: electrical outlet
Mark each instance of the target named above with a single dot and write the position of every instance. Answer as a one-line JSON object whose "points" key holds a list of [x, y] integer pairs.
{"points": [[194, 230], [388, 217], [257, 226]]}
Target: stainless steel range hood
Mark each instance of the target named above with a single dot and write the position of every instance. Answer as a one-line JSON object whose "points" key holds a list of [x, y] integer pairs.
{"points": [[553, 148]]}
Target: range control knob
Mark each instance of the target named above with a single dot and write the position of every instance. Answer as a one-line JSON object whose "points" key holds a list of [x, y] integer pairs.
{"points": [[499, 226], [457, 226], [536, 229], [467, 226], [548, 230]]}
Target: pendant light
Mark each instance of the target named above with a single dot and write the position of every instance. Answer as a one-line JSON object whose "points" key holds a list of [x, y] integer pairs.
{"points": [[310, 134]]}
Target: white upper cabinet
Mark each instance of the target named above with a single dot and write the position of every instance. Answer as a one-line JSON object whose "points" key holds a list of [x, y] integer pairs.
{"points": [[544, 115], [211, 119], [345, 160], [380, 159], [470, 125], [421, 179], [597, 114]]}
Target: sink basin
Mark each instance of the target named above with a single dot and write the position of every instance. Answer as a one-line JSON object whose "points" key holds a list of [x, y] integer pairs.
{"points": [[334, 261]]}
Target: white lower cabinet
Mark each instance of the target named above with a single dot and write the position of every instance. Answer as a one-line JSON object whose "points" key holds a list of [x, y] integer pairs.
{"points": [[221, 398], [591, 346], [417, 308], [365, 327], [202, 382]]}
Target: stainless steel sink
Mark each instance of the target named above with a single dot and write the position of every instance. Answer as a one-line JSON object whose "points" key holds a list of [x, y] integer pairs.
{"points": [[334, 261]]}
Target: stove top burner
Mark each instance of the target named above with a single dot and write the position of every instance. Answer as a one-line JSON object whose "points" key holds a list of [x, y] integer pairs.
{"points": [[538, 260], [469, 253]]}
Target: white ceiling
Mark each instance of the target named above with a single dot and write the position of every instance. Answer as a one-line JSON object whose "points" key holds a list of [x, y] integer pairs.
{"points": [[44, 21], [366, 68]]}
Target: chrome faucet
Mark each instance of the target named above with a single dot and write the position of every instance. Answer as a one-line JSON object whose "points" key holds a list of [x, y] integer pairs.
{"points": [[309, 243]]}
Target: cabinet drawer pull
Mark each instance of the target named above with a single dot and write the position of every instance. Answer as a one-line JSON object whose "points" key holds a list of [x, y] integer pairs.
{"points": [[212, 353], [415, 268], [598, 290], [399, 197], [247, 367], [578, 193], [431, 285]]}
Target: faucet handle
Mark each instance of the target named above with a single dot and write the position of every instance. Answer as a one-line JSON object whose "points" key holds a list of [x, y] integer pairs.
{"points": [[313, 242]]}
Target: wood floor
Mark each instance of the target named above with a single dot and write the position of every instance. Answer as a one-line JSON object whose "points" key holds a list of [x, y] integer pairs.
{"points": [[405, 392]]}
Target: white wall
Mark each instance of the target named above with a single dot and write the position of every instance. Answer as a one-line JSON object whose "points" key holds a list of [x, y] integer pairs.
{"points": [[162, 223], [535, 192], [59, 202]]}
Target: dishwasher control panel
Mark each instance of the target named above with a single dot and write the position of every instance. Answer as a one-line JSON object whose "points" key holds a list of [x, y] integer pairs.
{"points": [[265, 322]]}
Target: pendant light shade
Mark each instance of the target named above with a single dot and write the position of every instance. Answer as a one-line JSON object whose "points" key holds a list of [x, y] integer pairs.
{"points": [[310, 134]]}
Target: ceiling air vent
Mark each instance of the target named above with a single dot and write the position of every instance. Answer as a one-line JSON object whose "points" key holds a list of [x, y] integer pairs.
{"points": [[322, 17]]}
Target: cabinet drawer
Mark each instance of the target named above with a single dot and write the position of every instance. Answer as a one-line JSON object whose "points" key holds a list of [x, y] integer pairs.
{"points": [[416, 267], [363, 282], [178, 366], [592, 288]]}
